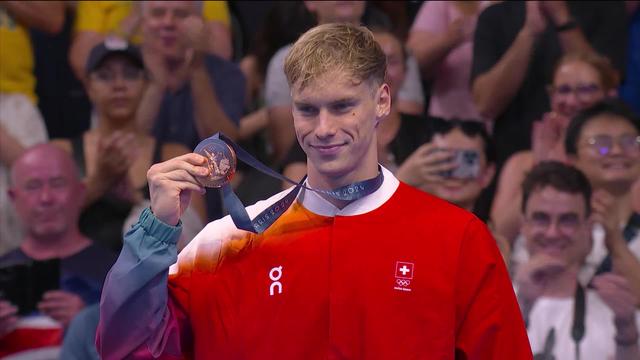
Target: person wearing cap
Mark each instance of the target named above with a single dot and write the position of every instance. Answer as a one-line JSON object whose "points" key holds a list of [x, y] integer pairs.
{"points": [[393, 274], [113, 158]]}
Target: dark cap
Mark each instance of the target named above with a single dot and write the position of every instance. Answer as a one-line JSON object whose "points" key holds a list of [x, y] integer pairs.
{"points": [[112, 46]]}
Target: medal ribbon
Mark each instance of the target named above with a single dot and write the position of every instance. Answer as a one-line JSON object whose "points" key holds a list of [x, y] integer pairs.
{"points": [[267, 217]]}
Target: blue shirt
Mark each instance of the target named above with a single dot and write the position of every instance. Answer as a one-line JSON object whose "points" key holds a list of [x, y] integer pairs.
{"points": [[176, 119]]}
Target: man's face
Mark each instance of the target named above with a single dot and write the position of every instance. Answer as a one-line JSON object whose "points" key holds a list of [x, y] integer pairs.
{"points": [[555, 223], [463, 192], [116, 88], [337, 11], [45, 193], [608, 152], [162, 24], [335, 121]]}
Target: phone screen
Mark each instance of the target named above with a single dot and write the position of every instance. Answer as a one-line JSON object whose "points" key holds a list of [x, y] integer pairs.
{"points": [[24, 284], [468, 165]]}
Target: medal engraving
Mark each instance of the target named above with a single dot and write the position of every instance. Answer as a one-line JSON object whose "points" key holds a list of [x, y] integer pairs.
{"points": [[221, 161]]}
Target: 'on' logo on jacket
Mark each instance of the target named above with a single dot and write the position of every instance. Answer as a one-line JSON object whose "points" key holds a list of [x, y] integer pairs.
{"points": [[274, 275]]}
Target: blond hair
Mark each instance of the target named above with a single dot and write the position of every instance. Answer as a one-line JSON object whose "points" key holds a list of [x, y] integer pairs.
{"points": [[335, 47]]}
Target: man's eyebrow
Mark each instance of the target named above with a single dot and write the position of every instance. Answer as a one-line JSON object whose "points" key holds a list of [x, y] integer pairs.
{"points": [[343, 100], [301, 103]]}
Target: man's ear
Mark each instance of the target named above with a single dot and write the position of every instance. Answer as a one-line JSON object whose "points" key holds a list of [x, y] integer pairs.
{"points": [[383, 101]]}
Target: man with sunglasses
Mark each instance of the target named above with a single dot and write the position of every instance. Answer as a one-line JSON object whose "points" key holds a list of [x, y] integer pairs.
{"points": [[569, 318]]}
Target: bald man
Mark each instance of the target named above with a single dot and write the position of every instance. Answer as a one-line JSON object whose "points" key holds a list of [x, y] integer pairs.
{"points": [[47, 194]]}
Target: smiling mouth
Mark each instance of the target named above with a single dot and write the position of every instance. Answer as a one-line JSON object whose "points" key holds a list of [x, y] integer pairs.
{"points": [[554, 246], [615, 166], [328, 149]]}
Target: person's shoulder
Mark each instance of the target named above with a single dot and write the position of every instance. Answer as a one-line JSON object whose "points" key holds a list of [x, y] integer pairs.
{"points": [[422, 204], [282, 52], [277, 60], [218, 239], [13, 257], [94, 254], [225, 227]]}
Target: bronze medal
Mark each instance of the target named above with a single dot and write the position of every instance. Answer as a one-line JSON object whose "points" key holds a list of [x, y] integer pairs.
{"points": [[221, 161]]}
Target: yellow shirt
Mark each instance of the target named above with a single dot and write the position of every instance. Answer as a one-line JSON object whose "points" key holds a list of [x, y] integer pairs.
{"points": [[16, 58], [105, 17]]}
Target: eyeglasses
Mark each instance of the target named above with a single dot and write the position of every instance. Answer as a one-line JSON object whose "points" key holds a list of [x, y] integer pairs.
{"points": [[582, 91], [128, 74], [566, 223], [603, 144]]}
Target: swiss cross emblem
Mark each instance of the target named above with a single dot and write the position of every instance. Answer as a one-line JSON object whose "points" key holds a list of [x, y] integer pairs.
{"points": [[403, 276]]}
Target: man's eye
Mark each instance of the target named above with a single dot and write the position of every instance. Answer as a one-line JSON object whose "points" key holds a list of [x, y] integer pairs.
{"points": [[158, 12], [32, 185], [306, 110], [342, 106], [181, 13]]}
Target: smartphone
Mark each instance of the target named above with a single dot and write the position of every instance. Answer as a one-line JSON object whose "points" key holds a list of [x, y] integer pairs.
{"points": [[24, 284], [468, 165]]}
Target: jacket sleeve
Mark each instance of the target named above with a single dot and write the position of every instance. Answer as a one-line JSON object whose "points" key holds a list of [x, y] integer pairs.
{"points": [[141, 317], [489, 324]]}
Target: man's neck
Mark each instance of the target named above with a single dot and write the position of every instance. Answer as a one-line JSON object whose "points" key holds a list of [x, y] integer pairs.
{"points": [[563, 285], [316, 181], [62, 246]]}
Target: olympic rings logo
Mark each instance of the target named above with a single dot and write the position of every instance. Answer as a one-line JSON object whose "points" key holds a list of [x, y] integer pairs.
{"points": [[403, 283]]}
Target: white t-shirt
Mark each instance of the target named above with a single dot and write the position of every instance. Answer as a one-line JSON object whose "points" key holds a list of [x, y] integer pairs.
{"points": [[598, 342]]}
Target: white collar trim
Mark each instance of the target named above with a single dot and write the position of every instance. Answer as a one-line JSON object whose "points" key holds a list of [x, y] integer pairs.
{"points": [[315, 203]]}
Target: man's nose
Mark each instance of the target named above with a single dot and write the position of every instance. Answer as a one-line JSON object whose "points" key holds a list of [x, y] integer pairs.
{"points": [[326, 125], [45, 194], [168, 19], [553, 230]]}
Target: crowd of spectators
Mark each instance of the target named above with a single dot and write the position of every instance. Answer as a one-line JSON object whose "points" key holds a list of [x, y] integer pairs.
{"points": [[526, 113]]}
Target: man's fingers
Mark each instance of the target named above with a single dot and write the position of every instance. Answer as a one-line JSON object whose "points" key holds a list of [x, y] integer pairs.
{"points": [[55, 294], [613, 279], [439, 168], [180, 162]]}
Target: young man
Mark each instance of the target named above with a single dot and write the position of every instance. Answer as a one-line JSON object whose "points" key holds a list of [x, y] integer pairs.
{"points": [[48, 194], [564, 319], [277, 94], [604, 143], [394, 274]]}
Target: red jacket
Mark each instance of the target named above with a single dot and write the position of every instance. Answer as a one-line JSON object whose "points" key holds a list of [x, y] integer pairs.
{"points": [[401, 275]]}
